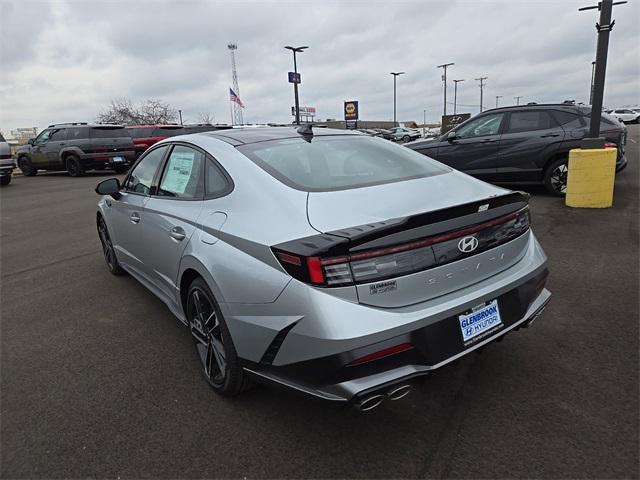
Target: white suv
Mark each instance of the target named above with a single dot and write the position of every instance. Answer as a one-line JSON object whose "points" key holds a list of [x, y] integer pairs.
{"points": [[6, 162], [626, 115]]}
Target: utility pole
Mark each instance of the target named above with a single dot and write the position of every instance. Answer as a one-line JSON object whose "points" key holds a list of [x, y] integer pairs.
{"points": [[444, 80], [593, 73], [395, 75], [604, 27], [455, 94], [517, 99], [424, 122], [497, 97], [180, 113], [481, 80], [295, 84]]}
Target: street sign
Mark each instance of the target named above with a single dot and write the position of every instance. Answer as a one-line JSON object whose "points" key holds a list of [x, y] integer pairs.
{"points": [[451, 121], [351, 110], [294, 77]]}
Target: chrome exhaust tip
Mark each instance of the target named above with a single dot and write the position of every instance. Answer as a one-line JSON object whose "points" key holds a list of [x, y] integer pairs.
{"points": [[369, 403], [399, 392]]}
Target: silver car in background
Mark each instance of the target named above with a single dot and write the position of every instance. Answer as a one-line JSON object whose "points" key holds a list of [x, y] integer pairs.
{"points": [[330, 262]]}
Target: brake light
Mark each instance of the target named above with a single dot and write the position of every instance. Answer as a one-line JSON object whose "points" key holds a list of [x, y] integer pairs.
{"points": [[403, 259], [5, 157], [403, 347], [610, 145]]}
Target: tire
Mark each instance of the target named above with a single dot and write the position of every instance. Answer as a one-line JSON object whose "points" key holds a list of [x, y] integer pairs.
{"points": [[213, 342], [406, 138], [555, 177], [28, 170], [5, 180], [73, 166], [120, 169], [108, 250]]}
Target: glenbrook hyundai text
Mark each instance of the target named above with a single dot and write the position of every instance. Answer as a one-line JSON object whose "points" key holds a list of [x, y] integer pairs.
{"points": [[336, 264]]}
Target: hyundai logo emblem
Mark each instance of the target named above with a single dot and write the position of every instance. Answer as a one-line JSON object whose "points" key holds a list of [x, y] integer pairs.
{"points": [[468, 244]]}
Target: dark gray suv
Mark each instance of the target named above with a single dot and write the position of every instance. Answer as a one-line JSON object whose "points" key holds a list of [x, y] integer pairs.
{"points": [[521, 144], [77, 147]]}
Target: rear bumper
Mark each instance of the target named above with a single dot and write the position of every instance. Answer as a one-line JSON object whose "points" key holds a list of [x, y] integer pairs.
{"points": [[109, 159], [6, 168], [434, 347]]}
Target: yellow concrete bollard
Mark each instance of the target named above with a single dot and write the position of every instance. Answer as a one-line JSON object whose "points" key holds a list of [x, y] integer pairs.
{"points": [[591, 177]]}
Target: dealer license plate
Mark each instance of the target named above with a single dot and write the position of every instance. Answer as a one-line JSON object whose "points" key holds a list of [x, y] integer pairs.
{"points": [[118, 159], [484, 319]]}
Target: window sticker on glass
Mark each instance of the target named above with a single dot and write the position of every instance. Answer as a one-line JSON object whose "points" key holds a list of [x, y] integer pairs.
{"points": [[178, 172]]}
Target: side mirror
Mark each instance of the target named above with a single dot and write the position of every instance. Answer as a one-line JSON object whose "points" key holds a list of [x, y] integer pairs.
{"points": [[109, 187], [451, 136], [31, 141]]}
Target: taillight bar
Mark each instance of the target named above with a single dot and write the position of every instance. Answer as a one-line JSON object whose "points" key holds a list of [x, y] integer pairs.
{"points": [[389, 262]]}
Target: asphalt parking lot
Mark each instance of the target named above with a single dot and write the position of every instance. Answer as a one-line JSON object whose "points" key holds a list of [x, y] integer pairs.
{"points": [[98, 380]]}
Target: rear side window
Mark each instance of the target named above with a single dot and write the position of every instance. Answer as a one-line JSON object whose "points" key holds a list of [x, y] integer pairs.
{"points": [[216, 182], [58, 135], [109, 132], [77, 133], [326, 163], [564, 118], [141, 177], [182, 177], [529, 120]]}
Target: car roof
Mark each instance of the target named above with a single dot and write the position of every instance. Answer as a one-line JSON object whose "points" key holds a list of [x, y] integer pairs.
{"points": [[241, 136], [161, 125], [539, 105]]}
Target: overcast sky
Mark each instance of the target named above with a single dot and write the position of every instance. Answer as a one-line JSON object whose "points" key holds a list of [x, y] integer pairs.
{"points": [[64, 60]]}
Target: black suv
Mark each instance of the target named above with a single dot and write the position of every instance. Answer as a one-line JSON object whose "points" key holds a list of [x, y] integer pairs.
{"points": [[521, 144], [77, 147]]}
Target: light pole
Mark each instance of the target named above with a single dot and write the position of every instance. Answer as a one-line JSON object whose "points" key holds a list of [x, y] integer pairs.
{"points": [[455, 94], [180, 113], [604, 27], [481, 79], [424, 122], [295, 83], [444, 80], [593, 73], [395, 75], [497, 97], [517, 99]]}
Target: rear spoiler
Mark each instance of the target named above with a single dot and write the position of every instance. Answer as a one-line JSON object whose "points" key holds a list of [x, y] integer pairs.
{"points": [[399, 230]]}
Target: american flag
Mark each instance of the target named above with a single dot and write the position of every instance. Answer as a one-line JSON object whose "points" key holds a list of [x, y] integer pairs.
{"points": [[235, 98]]}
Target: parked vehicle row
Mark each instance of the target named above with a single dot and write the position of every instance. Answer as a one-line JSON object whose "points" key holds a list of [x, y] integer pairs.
{"points": [[6, 162], [343, 304], [78, 147], [522, 144]]}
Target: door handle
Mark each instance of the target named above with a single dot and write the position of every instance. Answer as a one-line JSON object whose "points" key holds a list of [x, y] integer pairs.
{"points": [[550, 135], [134, 217], [177, 233], [489, 140]]}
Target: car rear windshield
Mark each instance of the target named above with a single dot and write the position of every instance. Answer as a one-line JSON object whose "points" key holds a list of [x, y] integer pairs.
{"points": [[329, 163], [109, 132]]}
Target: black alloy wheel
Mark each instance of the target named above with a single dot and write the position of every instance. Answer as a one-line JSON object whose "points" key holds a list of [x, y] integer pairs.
{"points": [[28, 170], [213, 342], [73, 166], [107, 249]]}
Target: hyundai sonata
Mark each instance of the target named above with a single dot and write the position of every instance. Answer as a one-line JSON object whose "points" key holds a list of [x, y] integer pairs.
{"points": [[330, 262]]}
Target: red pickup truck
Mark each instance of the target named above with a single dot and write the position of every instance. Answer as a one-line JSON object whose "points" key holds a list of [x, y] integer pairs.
{"points": [[146, 135]]}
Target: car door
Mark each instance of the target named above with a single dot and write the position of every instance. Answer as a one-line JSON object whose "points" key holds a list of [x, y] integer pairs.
{"points": [[530, 138], [51, 149], [171, 215], [473, 148], [38, 149], [126, 215]]}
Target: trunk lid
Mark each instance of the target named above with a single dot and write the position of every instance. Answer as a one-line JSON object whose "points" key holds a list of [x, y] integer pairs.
{"points": [[401, 240]]}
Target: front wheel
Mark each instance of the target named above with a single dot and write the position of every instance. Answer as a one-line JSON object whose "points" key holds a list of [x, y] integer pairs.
{"points": [[406, 138], [213, 342], [73, 166], [555, 177], [28, 170], [108, 250]]}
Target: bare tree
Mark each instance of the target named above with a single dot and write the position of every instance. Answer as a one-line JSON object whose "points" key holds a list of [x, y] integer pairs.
{"points": [[124, 111], [206, 117]]}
